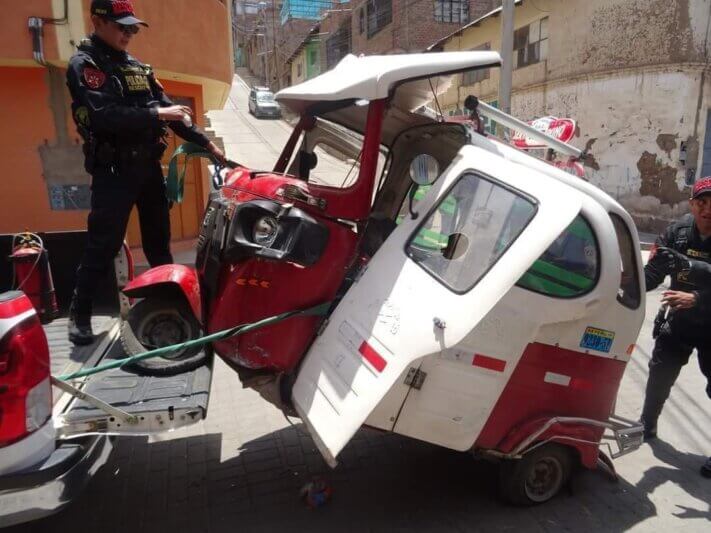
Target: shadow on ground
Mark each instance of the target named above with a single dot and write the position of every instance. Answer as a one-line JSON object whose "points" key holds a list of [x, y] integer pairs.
{"points": [[384, 483]]}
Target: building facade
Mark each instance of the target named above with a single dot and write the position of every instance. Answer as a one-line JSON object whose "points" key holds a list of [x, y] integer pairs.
{"points": [[634, 74], [305, 62], [401, 26], [45, 186]]}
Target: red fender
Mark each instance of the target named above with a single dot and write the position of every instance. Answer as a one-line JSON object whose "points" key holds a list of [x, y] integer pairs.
{"points": [[569, 434], [156, 280]]}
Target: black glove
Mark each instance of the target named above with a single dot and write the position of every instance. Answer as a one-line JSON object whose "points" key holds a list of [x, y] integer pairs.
{"points": [[670, 261]]}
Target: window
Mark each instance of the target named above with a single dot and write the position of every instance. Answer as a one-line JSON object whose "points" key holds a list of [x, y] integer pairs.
{"points": [[569, 267], [380, 14], [451, 11], [470, 229], [531, 43], [338, 45], [629, 293], [298, 69], [475, 76], [361, 20]]}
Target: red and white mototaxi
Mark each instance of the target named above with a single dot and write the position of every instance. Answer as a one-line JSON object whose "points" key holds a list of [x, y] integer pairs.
{"points": [[481, 299]]}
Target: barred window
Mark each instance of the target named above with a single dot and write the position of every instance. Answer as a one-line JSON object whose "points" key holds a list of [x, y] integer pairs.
{"points": [[451, 11], [380, 14], [338, 45], [531, 43], [475, 76]]}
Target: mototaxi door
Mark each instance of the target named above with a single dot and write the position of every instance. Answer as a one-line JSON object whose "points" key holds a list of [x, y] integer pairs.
{"points": [[414, 301]]}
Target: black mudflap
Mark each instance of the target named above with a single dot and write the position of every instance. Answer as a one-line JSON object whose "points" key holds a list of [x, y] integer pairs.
{"points": [[147, 404]]}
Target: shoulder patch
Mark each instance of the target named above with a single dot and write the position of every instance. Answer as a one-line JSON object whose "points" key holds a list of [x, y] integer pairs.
{"points": [[94, 78]]}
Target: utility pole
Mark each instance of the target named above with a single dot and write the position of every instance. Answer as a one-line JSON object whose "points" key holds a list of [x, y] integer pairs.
{"points": [[507, 38]]}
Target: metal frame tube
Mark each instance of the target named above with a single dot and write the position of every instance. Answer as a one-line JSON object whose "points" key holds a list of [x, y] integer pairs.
{"points": [[513, 123]]}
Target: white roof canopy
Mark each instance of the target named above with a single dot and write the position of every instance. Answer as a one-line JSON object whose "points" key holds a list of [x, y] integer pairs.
{"points": [[374, 77]]}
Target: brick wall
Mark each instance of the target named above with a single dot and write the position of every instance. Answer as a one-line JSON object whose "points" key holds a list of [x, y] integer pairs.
{"points": [[413, 27], [329, 26]]}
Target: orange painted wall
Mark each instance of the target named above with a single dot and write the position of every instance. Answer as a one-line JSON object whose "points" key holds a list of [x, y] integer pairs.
{"points": [[15, 42], [27, 124], [24, 93]]}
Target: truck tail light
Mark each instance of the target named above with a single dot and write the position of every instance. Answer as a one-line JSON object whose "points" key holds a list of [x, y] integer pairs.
{"points": [[25, 387]]}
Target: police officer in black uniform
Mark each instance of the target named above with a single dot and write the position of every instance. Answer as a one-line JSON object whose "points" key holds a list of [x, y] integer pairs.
{"points": [[121, 112], [684, 321]]}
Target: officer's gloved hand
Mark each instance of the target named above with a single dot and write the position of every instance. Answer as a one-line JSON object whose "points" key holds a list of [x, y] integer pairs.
{"points": [[670, 261]]}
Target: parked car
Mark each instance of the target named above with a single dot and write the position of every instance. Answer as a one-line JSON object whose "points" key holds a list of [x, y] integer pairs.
{"points": [[262, 103]]}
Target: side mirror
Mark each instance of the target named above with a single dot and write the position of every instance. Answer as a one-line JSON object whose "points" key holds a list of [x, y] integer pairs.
{"points": [[424, 169]]}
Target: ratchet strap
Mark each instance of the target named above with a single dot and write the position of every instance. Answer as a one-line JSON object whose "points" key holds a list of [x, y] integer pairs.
{"points": [[175, 182], [317, 310]]}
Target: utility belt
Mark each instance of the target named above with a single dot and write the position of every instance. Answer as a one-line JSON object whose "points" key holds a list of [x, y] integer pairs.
{"points": [[106, 154], [687, 325]]}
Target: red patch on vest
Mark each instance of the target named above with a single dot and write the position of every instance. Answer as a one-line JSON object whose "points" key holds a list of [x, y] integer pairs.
{"points": [[94, 78], [119, 7]]}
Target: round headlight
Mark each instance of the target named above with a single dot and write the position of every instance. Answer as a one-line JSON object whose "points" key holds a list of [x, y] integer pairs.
{"points": [[265, 231]]}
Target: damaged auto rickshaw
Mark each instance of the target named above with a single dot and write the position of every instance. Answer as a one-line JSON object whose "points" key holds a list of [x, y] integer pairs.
{"points": [[477, 298]]}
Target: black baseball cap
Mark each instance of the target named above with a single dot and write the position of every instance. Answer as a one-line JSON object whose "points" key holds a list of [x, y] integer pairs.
{"points": [[120, 11]]}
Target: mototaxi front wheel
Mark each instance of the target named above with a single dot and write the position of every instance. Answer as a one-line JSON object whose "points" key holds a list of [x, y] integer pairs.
{"points": [[155, 323]]}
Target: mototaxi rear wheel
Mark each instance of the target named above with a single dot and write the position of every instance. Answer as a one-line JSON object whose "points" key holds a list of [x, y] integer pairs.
{"points": [[537, 477]]}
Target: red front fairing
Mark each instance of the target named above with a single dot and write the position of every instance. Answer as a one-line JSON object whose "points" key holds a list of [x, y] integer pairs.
{"points": [[255, 288], [258, 288]]}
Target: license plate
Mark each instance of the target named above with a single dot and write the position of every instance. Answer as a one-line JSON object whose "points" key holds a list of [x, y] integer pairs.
{"points": [[597, 339]]}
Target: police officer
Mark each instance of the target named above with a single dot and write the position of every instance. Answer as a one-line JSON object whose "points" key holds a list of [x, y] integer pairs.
{"points": [[684, 321], [121, 112]]}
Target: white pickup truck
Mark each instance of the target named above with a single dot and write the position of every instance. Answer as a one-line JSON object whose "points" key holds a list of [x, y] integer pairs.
{"points": [[51, 441]]}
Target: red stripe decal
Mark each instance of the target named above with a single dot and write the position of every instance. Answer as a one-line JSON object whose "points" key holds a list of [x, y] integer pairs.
{"points": [[373, 357], [15, 307], [490, 363]]}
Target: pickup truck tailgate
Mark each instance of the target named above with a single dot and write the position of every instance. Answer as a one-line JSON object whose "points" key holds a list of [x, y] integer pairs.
{"points": [[142, 403]]}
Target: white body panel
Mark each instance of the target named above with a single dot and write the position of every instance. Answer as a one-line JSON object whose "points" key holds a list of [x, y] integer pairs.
{"points": [[457, 398], [337, 389]]}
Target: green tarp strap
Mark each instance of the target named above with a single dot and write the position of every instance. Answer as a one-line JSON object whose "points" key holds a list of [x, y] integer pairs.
{"points": [[317, 310], [175, 182]]}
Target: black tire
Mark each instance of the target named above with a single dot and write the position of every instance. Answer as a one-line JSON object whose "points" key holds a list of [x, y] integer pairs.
{"points": [[537, 477], [154, 323]]}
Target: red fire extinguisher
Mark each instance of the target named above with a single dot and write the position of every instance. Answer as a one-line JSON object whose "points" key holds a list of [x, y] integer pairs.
{"points": [[32, 275]]}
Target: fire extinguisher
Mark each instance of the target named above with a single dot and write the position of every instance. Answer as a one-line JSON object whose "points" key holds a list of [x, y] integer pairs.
{"points": [[32, 275]]}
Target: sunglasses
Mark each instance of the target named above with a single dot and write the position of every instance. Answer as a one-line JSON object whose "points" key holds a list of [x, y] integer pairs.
{"points": [[133, 29]]}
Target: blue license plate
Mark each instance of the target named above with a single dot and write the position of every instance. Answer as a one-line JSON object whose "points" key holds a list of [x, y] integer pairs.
{"points": [[597, 339]]}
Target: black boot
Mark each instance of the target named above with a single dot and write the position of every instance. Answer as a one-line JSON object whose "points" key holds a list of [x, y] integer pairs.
{"points": [[650, 429], [80, 332], [706, 468]]}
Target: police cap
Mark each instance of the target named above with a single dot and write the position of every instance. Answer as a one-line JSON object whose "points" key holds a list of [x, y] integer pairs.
{"points": [[120, 11]]}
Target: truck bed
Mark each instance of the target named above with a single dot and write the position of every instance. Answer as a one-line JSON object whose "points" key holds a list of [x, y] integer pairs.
{"points": [[157, 402], [66, 358]]}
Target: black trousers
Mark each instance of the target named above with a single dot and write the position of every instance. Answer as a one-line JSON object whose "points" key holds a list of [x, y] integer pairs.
{"points": [[671, 352], [113, 194]]}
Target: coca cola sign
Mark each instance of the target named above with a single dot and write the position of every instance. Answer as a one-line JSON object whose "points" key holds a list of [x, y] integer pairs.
{"points": [[562, 129]]}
